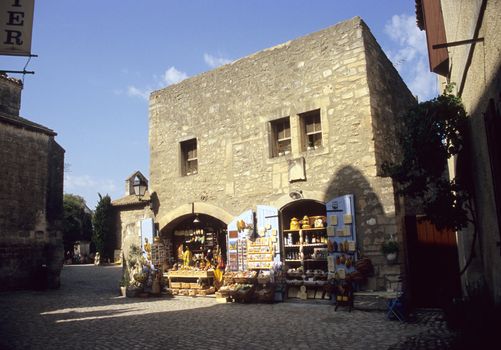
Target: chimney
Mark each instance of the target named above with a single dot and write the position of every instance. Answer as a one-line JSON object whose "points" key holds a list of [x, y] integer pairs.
{"points": [[10, 95]]}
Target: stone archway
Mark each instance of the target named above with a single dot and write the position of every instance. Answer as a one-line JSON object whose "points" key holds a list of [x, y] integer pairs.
{"points": [[284, 200], [196, 207]]}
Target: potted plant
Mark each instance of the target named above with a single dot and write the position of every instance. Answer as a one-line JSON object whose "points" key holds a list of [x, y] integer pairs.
{"points": [[390, 250], [125, 281]]}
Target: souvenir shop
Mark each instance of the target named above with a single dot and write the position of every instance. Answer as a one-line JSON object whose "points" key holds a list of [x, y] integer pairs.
{"points": [[305, 250]]}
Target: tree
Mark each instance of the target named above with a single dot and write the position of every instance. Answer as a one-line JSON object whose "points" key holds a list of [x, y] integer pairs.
{"points": [[104, 237], [435, 131], [77, 221]]}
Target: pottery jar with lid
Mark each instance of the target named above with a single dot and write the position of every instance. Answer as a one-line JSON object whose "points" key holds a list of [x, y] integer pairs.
{"points": [[306, 222], [294, 225]]}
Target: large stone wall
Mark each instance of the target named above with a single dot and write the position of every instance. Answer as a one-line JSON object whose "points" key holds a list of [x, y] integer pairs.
{"points": [[390, 99], [228, 111], [31, 195], [476, 71]]}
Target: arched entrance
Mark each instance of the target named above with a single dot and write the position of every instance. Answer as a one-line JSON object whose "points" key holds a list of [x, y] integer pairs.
{"points": [[310, 238], [202, 234]]}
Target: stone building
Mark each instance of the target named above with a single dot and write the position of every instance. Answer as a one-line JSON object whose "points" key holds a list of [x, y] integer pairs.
{"points": [[130, 211], [469, 57], [291, 128], [31, 197]]}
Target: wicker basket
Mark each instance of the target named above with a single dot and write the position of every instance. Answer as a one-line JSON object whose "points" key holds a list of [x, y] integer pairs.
{"points": [[228, 280], [265, 295], [243, 296], [245, 280], [264, 280]]}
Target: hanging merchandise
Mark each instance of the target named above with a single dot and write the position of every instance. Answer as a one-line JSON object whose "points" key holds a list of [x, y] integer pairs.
{"points": [[341, 225]]}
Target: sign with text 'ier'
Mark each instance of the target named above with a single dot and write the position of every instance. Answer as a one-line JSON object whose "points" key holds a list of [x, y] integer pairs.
{"points": [[16, 23]]}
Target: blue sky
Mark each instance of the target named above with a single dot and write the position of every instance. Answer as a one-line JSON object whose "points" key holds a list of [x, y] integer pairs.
{"points": [[98, 61]]}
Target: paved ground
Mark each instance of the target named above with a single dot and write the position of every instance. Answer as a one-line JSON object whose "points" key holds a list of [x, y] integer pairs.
{"points": [[87, 313]]}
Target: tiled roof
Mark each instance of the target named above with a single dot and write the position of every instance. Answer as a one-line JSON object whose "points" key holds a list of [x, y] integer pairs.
{"points": [[137, 173], [132, 200]]}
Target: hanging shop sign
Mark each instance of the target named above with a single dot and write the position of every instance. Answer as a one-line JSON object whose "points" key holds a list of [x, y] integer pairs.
{"points": [[16, 23]]}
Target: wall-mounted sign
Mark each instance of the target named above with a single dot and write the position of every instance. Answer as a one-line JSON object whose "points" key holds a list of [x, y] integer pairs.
{"points": [[16, 23]]}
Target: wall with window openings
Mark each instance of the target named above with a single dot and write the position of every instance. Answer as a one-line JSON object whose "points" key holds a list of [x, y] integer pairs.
{"points": [[307, 98]]}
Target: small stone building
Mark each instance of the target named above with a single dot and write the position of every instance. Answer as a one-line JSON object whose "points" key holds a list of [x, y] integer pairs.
{"points": [[31, 197], [290, 128], [130, 211]]}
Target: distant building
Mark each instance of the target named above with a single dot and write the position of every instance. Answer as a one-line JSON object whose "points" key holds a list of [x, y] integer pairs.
{"points": [[130, 211], [298, 129], [467, 35], [31, 197]]}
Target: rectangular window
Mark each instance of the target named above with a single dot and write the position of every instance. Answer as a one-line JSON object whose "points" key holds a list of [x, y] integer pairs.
{"points": [[311, 130], [281, 137], [189, 160]]}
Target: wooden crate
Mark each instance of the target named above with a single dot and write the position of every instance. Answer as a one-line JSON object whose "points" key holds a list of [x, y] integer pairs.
{"points": [[195, 286], [204, 292], [177, 285]]}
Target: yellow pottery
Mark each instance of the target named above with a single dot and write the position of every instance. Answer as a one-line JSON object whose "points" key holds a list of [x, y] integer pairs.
{"points": [[294, 224]]}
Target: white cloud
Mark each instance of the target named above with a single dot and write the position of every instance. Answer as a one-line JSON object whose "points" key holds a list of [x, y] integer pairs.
{"points": [[88, 187], [79, 182], [403, 29], [169, 77], [173, 76], [410, 56], [136, 92], [424, 83], [214, 62]]}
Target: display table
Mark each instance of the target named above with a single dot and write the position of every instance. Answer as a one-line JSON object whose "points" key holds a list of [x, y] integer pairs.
{"points": [[191, 282]]}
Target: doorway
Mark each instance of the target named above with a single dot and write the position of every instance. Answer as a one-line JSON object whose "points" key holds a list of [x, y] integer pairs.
{"points": [[203, 235], [433, 263]]}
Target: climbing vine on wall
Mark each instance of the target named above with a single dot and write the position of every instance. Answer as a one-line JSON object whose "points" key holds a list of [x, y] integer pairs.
{"points": [[434, 131]]}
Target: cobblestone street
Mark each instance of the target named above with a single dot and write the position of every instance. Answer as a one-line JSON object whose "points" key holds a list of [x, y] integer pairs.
{"points": [[87, 313]]}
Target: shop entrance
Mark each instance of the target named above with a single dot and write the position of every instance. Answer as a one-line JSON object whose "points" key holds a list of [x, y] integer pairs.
{"points": [[203, 236], [299, 209], [433, 263], [305, 249]]}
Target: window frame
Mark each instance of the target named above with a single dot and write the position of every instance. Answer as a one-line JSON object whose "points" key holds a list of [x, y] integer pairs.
{"points": [[188, 160], [278, 126], [314, 116]]}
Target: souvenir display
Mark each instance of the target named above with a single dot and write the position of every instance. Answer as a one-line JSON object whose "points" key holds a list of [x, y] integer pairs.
{"points": [[191, 281]]}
